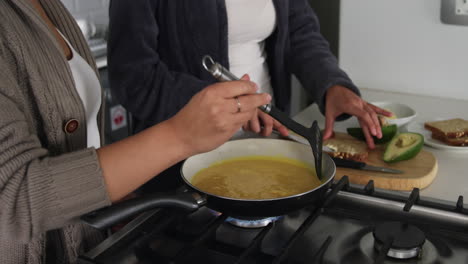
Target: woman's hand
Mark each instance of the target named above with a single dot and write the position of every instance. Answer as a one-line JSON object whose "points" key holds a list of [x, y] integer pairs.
{"points": [[340, 100], [260, 119], [213, 115], [209, 119]]}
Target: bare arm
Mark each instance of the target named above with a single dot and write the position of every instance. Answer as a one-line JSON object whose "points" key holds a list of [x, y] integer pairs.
{"points": [[42, 188], [208, 120], [40, 191]]}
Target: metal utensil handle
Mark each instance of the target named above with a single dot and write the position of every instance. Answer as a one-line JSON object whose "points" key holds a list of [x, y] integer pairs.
{"points": [[222, 74], [217, 70]]}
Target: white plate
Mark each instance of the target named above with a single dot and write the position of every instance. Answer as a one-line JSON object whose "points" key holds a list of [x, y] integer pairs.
{"points": [[418, 127]]}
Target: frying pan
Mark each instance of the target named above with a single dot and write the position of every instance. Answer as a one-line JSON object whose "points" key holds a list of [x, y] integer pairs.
{"points": [[194, 198]]}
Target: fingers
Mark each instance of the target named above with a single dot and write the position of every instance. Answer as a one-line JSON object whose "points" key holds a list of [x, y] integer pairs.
{"points": [[280, 128], [245, 77], [341, 100], [254, 123], [247, 103], [241, 118], [367, 135], [238, 104], [364, 115], [375, 121], [246, 126], [260, 119], [267, 122], [329, 122], [235, 88], [380, 111]]}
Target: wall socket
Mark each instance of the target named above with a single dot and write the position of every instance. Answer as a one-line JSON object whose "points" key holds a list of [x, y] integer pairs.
{"points": [[454, 12], [461, 7]]}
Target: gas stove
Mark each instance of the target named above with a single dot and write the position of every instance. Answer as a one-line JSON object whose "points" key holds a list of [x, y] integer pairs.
{"points": [[353, 224]]}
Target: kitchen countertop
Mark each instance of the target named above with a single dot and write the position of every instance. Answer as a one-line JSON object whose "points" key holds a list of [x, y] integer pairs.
{"points": [[452, 177]]}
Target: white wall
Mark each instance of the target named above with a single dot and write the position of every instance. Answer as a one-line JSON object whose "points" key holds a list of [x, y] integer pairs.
{"points": [[401, 45], [93, 10]]}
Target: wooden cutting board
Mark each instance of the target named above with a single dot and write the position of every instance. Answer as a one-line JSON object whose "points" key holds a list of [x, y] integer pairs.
{"points": [[419, 172]]}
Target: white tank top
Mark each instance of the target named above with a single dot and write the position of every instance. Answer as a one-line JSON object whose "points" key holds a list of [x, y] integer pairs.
{"points": [[89, 89], [250, 22]]}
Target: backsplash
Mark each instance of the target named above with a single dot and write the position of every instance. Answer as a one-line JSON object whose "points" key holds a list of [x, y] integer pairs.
{"points": [[403, 46]]}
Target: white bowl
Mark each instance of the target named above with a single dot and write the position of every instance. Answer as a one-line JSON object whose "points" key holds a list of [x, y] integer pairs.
{"points": [[404, 113]]}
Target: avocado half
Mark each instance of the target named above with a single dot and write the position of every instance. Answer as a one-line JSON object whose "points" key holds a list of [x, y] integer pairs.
{"points": [[404, 146], [388, 132]]}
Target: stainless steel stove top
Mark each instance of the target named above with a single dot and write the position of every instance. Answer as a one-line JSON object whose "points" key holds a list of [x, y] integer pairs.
{"points": [[341, 231]]}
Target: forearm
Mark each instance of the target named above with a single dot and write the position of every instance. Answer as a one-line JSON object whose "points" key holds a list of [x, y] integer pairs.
{"points": [[41, 192], [206, 122], [129, 163], [312, 61]]}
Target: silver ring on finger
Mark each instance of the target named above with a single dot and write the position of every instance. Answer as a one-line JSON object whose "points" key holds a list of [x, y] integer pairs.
{"points": [[238, 104]]}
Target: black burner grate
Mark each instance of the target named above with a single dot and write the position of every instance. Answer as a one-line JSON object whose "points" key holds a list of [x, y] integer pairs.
{"points": [[170, 236]]}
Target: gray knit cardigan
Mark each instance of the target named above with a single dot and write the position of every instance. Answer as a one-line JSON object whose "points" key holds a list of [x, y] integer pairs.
{"points": [[48, 178]]}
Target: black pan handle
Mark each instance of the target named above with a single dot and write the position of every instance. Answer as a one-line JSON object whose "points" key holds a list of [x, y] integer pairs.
{"points": [[348, 163], [109, 216]]}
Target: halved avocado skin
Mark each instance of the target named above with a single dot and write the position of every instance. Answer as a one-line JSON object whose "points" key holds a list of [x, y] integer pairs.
{"points": [[388, 132], [408, 154]]}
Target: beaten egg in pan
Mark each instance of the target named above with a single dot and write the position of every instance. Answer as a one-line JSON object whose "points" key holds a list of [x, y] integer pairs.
{"points": [[256, 178]]}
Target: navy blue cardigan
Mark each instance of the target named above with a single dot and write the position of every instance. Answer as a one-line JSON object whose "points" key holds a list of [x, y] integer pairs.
{"points": [[156, 47]]}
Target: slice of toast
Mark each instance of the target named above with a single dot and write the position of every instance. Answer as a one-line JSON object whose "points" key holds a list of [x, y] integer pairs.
{"points": [[452, 128], [347, 147], [461, 141]]}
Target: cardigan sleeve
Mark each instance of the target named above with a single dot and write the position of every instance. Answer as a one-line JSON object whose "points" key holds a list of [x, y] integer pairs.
{"points": [[142, 82], [39, 192], [311, 59]]}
